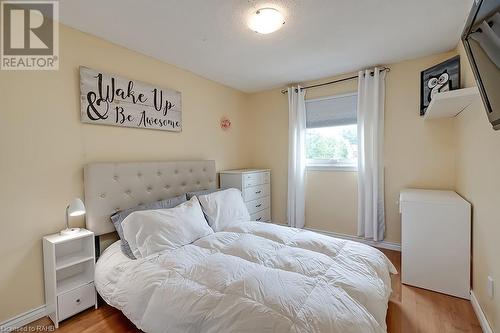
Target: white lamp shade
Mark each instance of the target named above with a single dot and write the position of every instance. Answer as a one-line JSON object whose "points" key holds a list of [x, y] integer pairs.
{"points": [[76, 207]]}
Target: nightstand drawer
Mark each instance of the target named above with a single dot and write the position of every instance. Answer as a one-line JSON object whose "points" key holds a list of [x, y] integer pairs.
{"points": [[259, 204], [262, 216], [254, 179], [75, 301], [255, 192]]}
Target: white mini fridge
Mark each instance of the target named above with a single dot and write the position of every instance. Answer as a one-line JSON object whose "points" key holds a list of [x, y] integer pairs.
{"points": [[435, 234]]}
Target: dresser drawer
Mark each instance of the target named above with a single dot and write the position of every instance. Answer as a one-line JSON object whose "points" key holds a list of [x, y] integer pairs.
{"points": [[254, 179], [75, 301], [256, 205], [262, 216], [255, 192]]}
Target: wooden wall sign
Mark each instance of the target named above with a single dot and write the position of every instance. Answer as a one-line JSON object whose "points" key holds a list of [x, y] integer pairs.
{"points": [[108, 99]]}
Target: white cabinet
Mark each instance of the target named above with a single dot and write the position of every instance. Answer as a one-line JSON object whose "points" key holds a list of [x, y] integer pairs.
{"points": [[436, 241], [255, 186], [69, 262]]}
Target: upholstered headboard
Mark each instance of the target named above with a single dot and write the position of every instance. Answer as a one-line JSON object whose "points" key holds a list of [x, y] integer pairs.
{"points": [[110, 187]]}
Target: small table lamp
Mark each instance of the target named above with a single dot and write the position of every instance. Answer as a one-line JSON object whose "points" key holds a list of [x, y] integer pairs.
{"points": [[75, 208]]}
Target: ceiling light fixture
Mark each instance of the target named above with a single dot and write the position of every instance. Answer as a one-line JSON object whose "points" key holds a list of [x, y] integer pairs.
{"points": [[266, 20]]}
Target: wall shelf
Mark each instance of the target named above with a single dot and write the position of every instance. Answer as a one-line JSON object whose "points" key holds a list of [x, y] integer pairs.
{"points": [[449, 104]]}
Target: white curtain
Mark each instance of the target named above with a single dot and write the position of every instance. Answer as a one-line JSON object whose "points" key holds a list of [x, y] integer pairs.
{"points": [[371, 96], [296, 157]]}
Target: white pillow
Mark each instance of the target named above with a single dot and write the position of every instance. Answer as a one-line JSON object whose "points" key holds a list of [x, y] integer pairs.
{"points": [[224, 208], [152, 231]]}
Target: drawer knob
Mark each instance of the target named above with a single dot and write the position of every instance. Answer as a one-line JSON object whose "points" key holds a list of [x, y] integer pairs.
{"points": [[258, 192], [78, 301], [257, 206], [260, 218]]}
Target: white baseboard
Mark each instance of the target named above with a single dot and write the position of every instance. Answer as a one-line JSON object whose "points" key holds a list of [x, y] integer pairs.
{"points": [[23, 319], [485, 326], [382, 244]]}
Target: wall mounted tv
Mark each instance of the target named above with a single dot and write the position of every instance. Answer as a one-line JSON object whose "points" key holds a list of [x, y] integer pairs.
{"points": [[481, 38]]}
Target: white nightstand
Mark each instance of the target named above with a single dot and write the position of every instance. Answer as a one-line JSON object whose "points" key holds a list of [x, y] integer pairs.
{"points": [[68, 264]]}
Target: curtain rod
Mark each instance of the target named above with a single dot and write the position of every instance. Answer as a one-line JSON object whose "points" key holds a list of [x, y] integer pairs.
{"points": [[284, 91]]}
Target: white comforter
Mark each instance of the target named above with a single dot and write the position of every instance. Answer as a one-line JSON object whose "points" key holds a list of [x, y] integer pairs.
{"points": [[253, 277]]}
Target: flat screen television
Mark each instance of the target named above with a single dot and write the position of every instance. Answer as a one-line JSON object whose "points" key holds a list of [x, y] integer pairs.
{"points": [[481, 38]]}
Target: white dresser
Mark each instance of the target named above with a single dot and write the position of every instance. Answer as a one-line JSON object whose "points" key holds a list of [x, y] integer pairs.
{"points": [[436, 229], [255, 185]]}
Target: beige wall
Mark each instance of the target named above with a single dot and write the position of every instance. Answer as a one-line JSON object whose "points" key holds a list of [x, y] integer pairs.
{"points": [[268, 143], [417, 153], [477, 180], [44, 147]]}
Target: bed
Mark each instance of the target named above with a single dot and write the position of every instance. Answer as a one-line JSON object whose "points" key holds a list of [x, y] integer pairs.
{"points": [[250, 277]]}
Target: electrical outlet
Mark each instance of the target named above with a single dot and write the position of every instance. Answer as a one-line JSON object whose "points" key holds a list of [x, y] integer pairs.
{"points": [[491, 287]]}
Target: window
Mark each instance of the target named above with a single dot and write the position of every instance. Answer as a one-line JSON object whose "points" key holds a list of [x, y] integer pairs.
{"points": [[331, 133]]}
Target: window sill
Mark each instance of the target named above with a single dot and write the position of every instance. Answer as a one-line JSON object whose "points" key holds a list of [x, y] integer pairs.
{"points": [[327, 167]]}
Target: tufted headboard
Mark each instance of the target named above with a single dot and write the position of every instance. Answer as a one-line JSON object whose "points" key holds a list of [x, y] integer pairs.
{"points": [[110, 187]]}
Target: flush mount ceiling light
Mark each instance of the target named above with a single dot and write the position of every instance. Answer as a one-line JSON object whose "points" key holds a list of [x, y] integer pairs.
{"points": [[266, 20]]}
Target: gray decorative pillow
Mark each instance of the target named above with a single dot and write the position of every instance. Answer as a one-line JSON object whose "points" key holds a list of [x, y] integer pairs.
{"points": [[118, 217], [189, 195]]}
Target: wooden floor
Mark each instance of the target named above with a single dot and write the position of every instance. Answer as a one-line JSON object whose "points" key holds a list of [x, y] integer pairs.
{"points": [[411, 310], [415, 310]]}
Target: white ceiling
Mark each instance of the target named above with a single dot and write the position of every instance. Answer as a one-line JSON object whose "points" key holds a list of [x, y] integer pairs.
{"points": [[321, 38]]}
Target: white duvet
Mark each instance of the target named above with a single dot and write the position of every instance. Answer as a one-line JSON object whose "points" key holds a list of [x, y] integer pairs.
{"points": [[252, 277]]}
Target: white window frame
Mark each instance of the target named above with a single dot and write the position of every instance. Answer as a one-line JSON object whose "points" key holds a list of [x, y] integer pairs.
{"points": [[330, 165], [318, 165]]}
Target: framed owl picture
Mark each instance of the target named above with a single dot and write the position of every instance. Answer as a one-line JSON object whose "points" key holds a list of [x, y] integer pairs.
{"points": [[439, 78]]}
